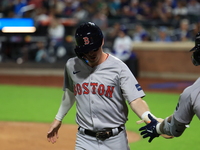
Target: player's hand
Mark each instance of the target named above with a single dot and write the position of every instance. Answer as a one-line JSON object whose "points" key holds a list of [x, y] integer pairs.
{"points": [[167, 136], [52, 134], [149, 130]]}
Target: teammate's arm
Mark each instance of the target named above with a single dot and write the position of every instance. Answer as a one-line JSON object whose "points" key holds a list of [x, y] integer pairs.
{"points": [[171, 126]]}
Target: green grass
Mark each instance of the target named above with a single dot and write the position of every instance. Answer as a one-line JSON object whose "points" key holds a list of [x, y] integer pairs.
{"points": [[24, 103], [40, 104]]}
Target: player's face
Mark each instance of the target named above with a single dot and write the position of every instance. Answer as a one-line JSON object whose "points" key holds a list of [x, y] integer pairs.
{"points": [[94, 56]]}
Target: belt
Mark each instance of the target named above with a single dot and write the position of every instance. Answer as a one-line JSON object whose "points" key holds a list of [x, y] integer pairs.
{"points": [[101, 135]]}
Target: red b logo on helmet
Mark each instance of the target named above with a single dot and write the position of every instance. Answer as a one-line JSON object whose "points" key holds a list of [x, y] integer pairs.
{"points": [[86, 40]]}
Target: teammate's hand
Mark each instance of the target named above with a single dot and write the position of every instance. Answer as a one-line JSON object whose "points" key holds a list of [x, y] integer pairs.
{"points": [[149, 130], [167, 136], [52, 134], [164, 135]]}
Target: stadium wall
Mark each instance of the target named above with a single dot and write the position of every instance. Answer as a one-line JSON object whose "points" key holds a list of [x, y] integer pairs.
{"points": [[166, 60]]}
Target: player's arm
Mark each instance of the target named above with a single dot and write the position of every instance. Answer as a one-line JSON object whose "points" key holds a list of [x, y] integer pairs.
{"points": [[67, 102], [52, 134], [141, 109], [171, 126], [139, 106]]}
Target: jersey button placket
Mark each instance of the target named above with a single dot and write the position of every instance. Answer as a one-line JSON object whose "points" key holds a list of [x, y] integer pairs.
{"points": [[93, 116]]}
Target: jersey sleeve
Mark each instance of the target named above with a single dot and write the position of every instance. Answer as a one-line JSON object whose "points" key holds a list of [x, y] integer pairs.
{"points": [[184, 109], [68, 82], [130, 87], [196, 104], [68, 100], [188, 104]]}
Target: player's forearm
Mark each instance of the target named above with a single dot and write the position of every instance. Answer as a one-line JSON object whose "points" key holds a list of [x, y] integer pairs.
{"points": [[172, 127], [162, 124], [67, 102], [56, 122], [139, 106]]}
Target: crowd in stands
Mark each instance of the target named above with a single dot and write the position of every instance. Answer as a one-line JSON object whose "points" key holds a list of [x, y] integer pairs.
{"points": [[144, 20]]}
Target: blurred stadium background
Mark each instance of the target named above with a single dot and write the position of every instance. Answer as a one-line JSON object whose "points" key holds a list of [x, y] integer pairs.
{"points": [[40, 33], [37, 38]]}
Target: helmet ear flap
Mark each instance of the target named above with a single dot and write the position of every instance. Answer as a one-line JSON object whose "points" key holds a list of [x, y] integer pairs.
{"points": [[77, 52], [196, 58], [80, 55]]}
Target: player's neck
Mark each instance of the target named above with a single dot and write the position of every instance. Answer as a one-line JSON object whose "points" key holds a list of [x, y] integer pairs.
{"points": [[103, 57]]}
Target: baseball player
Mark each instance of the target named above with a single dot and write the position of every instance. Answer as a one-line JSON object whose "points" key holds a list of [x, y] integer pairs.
{"points": [[100, 84], [187, 107]]}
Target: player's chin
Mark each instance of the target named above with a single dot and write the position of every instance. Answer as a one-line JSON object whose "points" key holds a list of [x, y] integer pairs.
{"points": [[92, 59]]}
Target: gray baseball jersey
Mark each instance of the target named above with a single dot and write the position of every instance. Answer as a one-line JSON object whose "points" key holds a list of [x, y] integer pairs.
{"points": [[101, 92], [189, 103], [187, 107]]}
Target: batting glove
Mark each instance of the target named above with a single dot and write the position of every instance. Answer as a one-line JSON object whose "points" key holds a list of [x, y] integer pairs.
{"points": [[150, 129]]}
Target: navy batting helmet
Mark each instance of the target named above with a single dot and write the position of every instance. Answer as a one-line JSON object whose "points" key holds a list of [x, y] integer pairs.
{"points": [[196, 49], [88, 37]]}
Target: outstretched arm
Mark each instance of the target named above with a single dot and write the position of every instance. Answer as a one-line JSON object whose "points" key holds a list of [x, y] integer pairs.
{"points": [[139, 106], [171, 126], [155, 129]]}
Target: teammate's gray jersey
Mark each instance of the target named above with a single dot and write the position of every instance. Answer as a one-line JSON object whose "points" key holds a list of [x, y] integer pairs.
{"points": [[189, 104], [101, 92]]}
